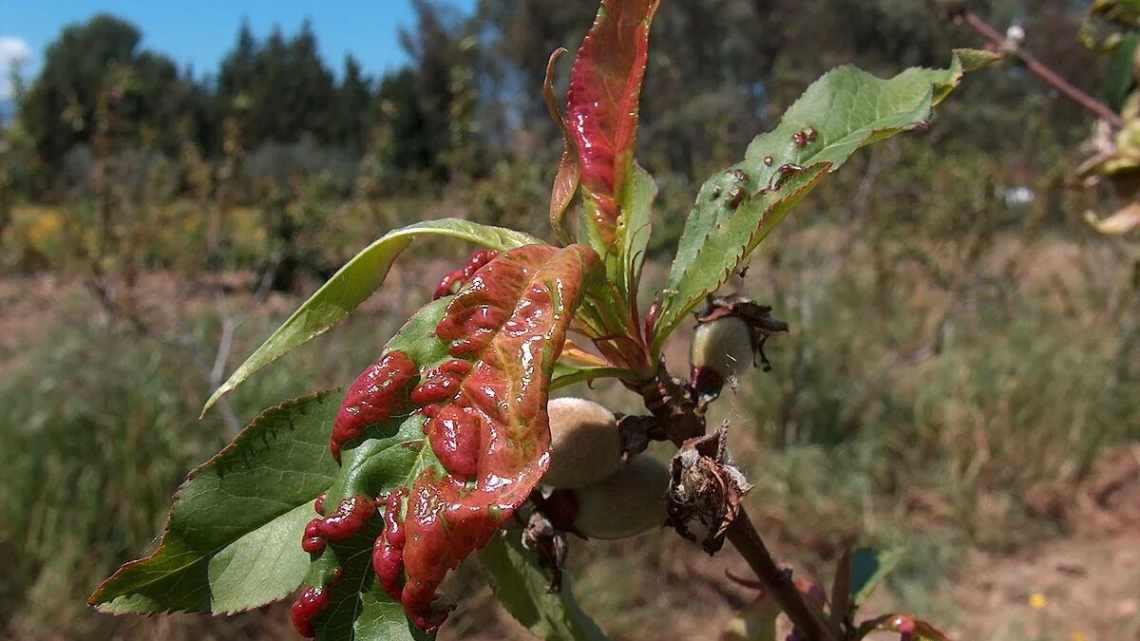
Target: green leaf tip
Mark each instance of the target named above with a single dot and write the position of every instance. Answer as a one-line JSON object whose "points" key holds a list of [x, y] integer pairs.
{"points": [[354, 283]]}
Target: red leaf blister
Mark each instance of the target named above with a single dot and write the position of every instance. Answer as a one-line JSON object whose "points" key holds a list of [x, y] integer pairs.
{"points": [[603, 101], [504, 332], [373, 397], [455, 279]]}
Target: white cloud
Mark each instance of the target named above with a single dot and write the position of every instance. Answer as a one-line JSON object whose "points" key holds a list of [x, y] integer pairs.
{"points": [[13, 52]]}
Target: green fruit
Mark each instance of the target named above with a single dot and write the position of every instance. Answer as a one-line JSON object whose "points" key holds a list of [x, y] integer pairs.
{"points": [[630, 502], [723, 345], [584, 441]]}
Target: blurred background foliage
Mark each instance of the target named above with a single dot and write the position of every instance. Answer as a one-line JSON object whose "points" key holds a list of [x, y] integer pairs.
{"points": [[965, 349]]}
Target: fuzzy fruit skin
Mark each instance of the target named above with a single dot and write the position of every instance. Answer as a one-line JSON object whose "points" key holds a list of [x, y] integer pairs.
{"points": [[723, 345], [629, 502], [585, 445]]}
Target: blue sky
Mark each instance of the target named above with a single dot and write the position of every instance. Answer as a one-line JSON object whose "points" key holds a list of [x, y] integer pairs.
{"points": [[200, 32]]}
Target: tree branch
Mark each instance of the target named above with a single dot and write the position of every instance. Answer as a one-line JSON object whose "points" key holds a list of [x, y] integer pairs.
{"points": [[743, 535], [1045, 73]]}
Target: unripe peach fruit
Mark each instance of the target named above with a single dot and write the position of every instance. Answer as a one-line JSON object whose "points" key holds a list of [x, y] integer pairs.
{"points": [[629, 502], [584, 441], [723, 345]]}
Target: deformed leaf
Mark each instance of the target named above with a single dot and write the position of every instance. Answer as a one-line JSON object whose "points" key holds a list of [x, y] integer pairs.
{"points": [[385, 456], [735, 210], [231, 539], [353, 283], [522, 587], [508, 326], [602, 107], [569, 172], [453, 448]]}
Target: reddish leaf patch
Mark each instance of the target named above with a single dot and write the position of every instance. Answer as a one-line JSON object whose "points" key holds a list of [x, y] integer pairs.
{"points": [[486, 423], [603, 101]]}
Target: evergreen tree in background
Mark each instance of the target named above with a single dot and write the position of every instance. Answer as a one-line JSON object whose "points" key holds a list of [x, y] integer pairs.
{"points": [[88, 60], [470, 93]]}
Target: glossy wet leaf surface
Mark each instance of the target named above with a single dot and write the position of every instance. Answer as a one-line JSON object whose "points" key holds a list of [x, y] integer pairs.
{"points": [[602, 111], [464, 443]]}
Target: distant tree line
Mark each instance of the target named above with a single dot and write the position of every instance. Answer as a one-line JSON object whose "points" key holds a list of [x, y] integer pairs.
{"points": [[470, 93]]}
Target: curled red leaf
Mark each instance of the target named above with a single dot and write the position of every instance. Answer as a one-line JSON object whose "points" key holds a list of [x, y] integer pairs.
{"points": [[486, 418], [603, 101]]}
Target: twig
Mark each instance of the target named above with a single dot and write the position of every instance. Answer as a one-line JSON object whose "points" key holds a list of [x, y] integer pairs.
{"points": [[1038, 68], [229, 416], [224, 346], [743, 535]]}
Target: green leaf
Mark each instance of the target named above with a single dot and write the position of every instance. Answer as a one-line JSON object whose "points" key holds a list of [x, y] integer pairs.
{"points": [[566, 374], [232, 537], [868, 569], [1119, 81], [353, 283], [735, 210], [522, 587], [636, 225], [756, 622], [382, 619]]}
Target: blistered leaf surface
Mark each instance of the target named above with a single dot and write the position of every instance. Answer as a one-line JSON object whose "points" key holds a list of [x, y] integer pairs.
{"points": [[508, 324], [446, 434]]}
